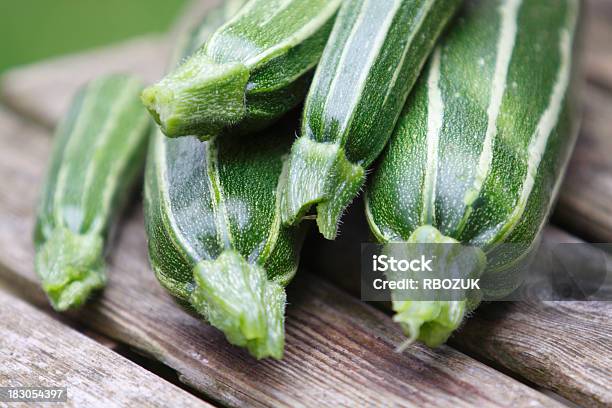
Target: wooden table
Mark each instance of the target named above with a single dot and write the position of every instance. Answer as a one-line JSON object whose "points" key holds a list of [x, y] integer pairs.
{"points": [[133, 346]]}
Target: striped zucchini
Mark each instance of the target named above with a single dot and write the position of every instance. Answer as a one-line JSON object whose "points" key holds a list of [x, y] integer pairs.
{"points": [[374, 55], [98, 153], [480, 149], [214, 232], [251, 71]]}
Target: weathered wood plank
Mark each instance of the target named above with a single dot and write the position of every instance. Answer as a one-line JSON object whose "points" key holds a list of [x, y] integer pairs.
{"points": [[597, 50], [565, 347], [585, 202], [592, 184], [339, 351], [29, 91], [37, 351]]}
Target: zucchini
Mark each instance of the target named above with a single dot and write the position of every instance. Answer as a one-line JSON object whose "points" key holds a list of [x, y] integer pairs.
{"points": [[480, 149], [374, 55], [250, 72], [98, 153], [214, 232]]}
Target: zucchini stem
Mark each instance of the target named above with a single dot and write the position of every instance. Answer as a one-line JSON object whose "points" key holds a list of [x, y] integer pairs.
{"points": [[310, 163], [237, 298], [71, 267], [433, 321], [201, 97]]}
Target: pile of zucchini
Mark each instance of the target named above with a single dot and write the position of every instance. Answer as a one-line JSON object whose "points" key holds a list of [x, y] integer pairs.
{"points": [[456, 117]]}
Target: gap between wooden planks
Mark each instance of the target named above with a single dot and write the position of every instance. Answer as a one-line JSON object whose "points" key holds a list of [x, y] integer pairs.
{"points": [[37, 351], [339, 350]]}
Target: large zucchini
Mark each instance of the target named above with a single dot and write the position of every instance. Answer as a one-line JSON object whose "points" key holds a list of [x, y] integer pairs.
{"points": [[251, 70], [480, 149], [373, 57], [214, 232], [98, 153]]}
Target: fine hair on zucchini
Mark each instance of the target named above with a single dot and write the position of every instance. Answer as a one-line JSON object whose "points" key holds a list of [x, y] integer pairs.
{"points": [[481, 146], [373, 57]]}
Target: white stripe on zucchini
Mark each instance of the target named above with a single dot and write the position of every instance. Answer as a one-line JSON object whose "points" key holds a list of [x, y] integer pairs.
{"points": [[501, 84], [548, 121], [435, 115], [103, 140], [218, 204], [182, 245], [352, 92], [121, 167], [508, 12], [74, 144], [98, 154], [120, 163], [396, 73], [324, 14]]}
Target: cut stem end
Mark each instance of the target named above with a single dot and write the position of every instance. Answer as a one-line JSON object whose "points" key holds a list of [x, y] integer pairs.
{"points": [[237, 298], [70, 267], [423, 317], [200, 97], [320, 174]]}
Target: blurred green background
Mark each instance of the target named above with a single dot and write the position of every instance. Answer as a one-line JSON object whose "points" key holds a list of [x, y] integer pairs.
{"points": [[31, 30]]}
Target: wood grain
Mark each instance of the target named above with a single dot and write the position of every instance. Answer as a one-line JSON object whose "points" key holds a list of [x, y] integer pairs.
{"points": [[140, 313], [37, 351], [565, 347], [339, 350], [585, 201], [596, 42], [29, 91]]}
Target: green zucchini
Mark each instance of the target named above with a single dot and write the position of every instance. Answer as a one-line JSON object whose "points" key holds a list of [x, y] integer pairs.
{"points": [[482, 144], [252, 70], [98, 154], [214, 232], [374, 55]]}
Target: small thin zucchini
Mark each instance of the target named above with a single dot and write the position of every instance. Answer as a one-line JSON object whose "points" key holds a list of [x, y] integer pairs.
{"points": [[98, 154], [252, 70], [481, 147], [374, 55], [215, 237]]}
